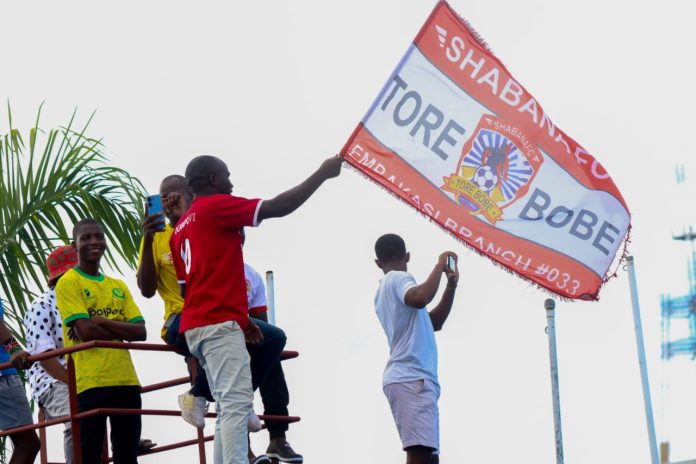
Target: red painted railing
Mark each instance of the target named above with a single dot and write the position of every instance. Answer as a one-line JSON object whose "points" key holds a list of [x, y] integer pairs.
{"points": [[76, 415]]}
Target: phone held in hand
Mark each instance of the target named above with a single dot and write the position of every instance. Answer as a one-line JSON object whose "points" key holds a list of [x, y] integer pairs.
{"points": [[154, 206], [451, 263]]}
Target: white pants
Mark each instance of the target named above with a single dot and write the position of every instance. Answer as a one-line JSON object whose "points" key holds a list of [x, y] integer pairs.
{"points": [[221, 350]]}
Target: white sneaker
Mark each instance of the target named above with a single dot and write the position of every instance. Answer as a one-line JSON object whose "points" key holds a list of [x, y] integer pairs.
{"points": [[253, 422], [193, 409]]}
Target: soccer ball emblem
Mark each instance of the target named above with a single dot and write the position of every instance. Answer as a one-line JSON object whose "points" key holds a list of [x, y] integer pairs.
{"points": [[485, 178]]}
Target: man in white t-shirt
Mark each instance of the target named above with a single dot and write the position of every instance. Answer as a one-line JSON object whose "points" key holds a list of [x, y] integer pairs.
{"points": [[410, 377]]}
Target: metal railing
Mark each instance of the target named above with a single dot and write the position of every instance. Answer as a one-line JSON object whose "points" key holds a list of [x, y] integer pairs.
{"points": [[75, 414]]}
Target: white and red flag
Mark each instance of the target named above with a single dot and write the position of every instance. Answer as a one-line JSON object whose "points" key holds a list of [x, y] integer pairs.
{"points": [[455, 136]]}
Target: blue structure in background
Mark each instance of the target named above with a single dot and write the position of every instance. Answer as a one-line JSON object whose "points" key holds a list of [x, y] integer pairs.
{"points": [[681, 309]]}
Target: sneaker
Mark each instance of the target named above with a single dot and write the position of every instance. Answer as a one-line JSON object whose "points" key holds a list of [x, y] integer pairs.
{"points": [[281, 450], [253, 422], [193, 409], [263, 459]]}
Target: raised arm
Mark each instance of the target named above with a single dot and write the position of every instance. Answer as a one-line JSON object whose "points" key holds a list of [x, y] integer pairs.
{"points": [[290, 200], [421, 295], [439, 314], [147, 270]]}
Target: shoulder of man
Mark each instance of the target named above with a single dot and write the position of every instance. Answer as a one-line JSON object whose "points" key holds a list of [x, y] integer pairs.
{"points": [[68, 279], [42, 304], [250, 272]]}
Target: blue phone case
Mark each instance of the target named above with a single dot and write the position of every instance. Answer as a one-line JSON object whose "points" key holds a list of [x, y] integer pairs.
{"points": [[154, 206]]}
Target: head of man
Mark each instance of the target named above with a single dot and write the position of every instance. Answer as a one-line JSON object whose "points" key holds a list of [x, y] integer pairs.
{"points": [[60, 261], [391, 253], [176, 197], [208, 175], [89, 241]]}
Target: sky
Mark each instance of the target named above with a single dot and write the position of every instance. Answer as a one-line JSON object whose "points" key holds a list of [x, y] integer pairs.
{"points": [[275, 87]]}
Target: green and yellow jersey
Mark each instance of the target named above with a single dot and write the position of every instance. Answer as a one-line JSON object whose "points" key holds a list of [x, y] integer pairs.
{"points": [[82, 296]]}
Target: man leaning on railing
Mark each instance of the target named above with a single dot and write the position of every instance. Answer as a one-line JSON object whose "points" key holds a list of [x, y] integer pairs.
{"points": [[97, 307]]}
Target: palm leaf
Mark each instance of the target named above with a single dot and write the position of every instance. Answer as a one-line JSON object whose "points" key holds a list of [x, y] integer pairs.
{"points": [[58, 178]]}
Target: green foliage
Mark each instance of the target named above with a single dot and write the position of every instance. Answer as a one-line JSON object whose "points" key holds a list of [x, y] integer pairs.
{"points": [[58, 178], [48, 181]]}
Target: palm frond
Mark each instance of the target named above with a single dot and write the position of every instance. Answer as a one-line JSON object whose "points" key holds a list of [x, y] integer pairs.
{"points": [[58, 178]]}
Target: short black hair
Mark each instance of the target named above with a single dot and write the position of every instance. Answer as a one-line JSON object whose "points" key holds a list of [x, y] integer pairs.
{"points": [[84, 222], [174, 177], [390, 247], [199, 170]]}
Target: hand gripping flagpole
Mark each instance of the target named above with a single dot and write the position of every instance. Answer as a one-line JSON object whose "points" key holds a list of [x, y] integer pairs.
{"points": [[550, 306], [630, 266]]}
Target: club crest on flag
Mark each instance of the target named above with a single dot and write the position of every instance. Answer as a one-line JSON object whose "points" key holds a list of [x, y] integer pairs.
{"points": [[496, 168]]}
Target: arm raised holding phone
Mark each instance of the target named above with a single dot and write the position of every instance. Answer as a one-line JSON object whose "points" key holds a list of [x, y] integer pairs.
{"points": [[421, 295]]}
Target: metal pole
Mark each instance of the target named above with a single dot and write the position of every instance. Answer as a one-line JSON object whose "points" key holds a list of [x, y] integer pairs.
{"points": [[641, 360], [270, 292], [550, 306], [74, 410]]}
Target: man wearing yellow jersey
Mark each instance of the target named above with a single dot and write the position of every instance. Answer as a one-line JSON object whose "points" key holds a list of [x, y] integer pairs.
{"points": [[96, 307], [156, 275]]}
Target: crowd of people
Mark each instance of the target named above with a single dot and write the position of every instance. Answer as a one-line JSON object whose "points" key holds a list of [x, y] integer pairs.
{"points": [[215, 315]]}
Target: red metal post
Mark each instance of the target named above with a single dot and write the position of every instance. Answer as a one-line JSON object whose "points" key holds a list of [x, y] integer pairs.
{"points": [[42, 438], [201, 437], [74, 423]]}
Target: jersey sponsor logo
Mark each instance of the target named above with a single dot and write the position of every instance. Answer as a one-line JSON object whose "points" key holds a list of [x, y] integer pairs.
{"points": [[105, 312]]}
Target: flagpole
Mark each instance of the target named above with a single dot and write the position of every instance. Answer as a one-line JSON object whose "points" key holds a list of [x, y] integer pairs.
{"points": [[647, 402], [270, 292], [550, 306]]}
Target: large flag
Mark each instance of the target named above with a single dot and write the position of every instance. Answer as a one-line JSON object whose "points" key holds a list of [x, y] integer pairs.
{"points": [[455, 136]]}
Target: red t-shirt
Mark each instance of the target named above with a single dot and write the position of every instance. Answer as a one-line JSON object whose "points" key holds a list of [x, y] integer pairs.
{"points": [[207, 253]]}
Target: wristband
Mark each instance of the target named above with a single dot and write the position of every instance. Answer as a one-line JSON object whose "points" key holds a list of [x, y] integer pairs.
{"points": [[11, 346], [453, 287]]}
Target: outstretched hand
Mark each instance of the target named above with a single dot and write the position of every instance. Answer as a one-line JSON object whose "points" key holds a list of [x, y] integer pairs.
{"points": [[331, 167]]}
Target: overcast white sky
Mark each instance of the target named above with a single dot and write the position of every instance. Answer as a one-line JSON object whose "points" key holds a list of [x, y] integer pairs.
{"points": [[275, 87]]}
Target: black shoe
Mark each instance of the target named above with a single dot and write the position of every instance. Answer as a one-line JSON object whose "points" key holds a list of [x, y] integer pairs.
{"points": [[281, 450], [263, 459]]}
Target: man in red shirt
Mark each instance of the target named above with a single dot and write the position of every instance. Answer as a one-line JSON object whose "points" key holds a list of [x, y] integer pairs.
{"points": [[207, 252]]}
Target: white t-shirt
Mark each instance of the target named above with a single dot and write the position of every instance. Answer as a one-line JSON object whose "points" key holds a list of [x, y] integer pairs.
{"points": [[255, 288], [409, 331]]}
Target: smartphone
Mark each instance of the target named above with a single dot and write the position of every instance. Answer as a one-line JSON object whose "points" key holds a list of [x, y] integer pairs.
{"points": [[154, 206], [451, 263]]}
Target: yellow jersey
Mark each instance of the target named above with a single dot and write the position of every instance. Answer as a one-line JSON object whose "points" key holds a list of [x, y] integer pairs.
{"points": [[167, 284], [80, 295]]}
